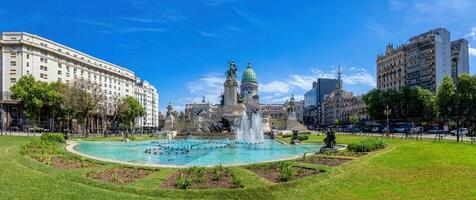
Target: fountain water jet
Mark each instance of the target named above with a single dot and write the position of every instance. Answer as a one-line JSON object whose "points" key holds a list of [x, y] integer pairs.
{"points": [[250, 129]]}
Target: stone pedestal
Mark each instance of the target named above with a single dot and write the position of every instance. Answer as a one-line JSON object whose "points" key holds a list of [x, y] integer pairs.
{"points": [[230, 96], [169, 124], [265, 124], [293, 124]]}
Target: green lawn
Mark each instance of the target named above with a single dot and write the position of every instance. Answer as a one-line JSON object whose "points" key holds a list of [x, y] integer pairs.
{"points": [[406, 169]]}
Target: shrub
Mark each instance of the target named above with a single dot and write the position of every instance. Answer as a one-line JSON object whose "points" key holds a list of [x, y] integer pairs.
{"points": [[183, 182], [236, 182], [305, 133], [52, 137], [286, 171], [218, 172], [367, 145], [197, 174], [287, 136], [303, 137]]}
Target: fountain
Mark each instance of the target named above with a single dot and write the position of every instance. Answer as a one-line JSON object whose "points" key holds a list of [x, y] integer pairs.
{"points": [[250, 129]]}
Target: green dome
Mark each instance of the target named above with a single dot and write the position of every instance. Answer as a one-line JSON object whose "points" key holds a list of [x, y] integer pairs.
{"points": [[249, 75]]}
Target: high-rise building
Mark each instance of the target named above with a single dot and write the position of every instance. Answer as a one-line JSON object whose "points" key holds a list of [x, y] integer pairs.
{"points": [[148, 96], [459, 57], [313, 98], [424, 61], [391, 69], [428, 59], [27, 54]]}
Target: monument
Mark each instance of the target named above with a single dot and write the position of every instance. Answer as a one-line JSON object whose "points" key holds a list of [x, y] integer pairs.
{"points": [[231, 109], [291, 121], [170, 121]]}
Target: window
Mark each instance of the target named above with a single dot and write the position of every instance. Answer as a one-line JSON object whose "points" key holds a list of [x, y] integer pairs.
{"points": [[13, 71], [44, 60], [27, 56], [44, 68], [59, 65], [59, 79], [13, 63], [13, 55], [13, 80], [59, 72], [45, 76]]}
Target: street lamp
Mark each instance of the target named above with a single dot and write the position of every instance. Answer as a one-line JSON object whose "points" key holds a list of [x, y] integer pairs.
{"points": [[387, 113], [457, 102]]}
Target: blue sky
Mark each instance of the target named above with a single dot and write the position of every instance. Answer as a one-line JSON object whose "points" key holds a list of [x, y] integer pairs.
{"points": [[182, 46]]}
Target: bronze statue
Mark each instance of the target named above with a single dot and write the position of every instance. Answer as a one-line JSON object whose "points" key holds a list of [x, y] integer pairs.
{"points": [[231, 73]]}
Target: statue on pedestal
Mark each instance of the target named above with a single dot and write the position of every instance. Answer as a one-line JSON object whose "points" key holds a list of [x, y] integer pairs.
{"points": [[169, 124], [231, 73]]}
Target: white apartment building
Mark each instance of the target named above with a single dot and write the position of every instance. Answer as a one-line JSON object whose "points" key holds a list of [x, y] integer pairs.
{"points": [[27, 54], [149, 98]]}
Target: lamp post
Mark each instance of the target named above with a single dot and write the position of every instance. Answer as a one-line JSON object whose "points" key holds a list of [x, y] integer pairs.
{"points": [[387, 113], [457, 102]]}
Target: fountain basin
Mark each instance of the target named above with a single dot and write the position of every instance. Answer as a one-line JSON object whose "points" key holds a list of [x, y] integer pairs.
{"points": [[229, 155]]}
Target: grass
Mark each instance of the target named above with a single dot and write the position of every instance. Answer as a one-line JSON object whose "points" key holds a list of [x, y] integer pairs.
{"points": [[405, 169]]}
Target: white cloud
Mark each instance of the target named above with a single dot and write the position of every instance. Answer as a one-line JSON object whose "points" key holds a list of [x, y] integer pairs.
{"points": [[275, 87], [472, 51], [210, 82], [208, 34], [247, 15], [472, 33], [303, 82]]}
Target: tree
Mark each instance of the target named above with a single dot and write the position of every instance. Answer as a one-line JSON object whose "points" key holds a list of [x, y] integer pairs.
{"points": [[130, 111], [84, 98], [446, 99], [374, 103], [53, 100], [31, 94], [465, 99]]}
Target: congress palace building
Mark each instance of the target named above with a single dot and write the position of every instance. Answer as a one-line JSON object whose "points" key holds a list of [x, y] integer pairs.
{"points": [[27, 54]]}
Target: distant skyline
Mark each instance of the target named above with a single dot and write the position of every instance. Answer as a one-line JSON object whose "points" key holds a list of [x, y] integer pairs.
{"points": [[182, 47]]}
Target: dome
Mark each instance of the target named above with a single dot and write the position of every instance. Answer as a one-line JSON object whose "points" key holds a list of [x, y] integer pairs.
{"points": [[249, 75]]}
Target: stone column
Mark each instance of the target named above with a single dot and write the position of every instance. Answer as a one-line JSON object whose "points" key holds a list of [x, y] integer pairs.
{"points": [[230, 95]]}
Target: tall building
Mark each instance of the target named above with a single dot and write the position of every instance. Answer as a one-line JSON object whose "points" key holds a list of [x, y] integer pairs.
{"points": [[314, 97], [459, 57], [27, 54], [428, 59], [424, 61], [391, 69], [341, 105], [148, 96], [310, 97]]}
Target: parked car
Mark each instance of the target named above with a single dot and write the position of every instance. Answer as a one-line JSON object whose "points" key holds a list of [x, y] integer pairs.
{"points": [[435, 129], [402, 127], [462, 131]]}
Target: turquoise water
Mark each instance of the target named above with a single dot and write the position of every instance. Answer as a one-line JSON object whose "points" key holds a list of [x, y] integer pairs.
{"points": [[193, 152]]}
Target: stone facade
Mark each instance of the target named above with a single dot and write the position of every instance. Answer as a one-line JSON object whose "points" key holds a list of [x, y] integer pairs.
{"points": [[391, 69], [423, 61], [341, 105], [27, 54]]}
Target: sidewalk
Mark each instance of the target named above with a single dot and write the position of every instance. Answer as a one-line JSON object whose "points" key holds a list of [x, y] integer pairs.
{"points": [[399, 135]]}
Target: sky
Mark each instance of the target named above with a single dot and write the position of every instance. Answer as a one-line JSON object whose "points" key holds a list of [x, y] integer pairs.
{"points": [[182, 47]]}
